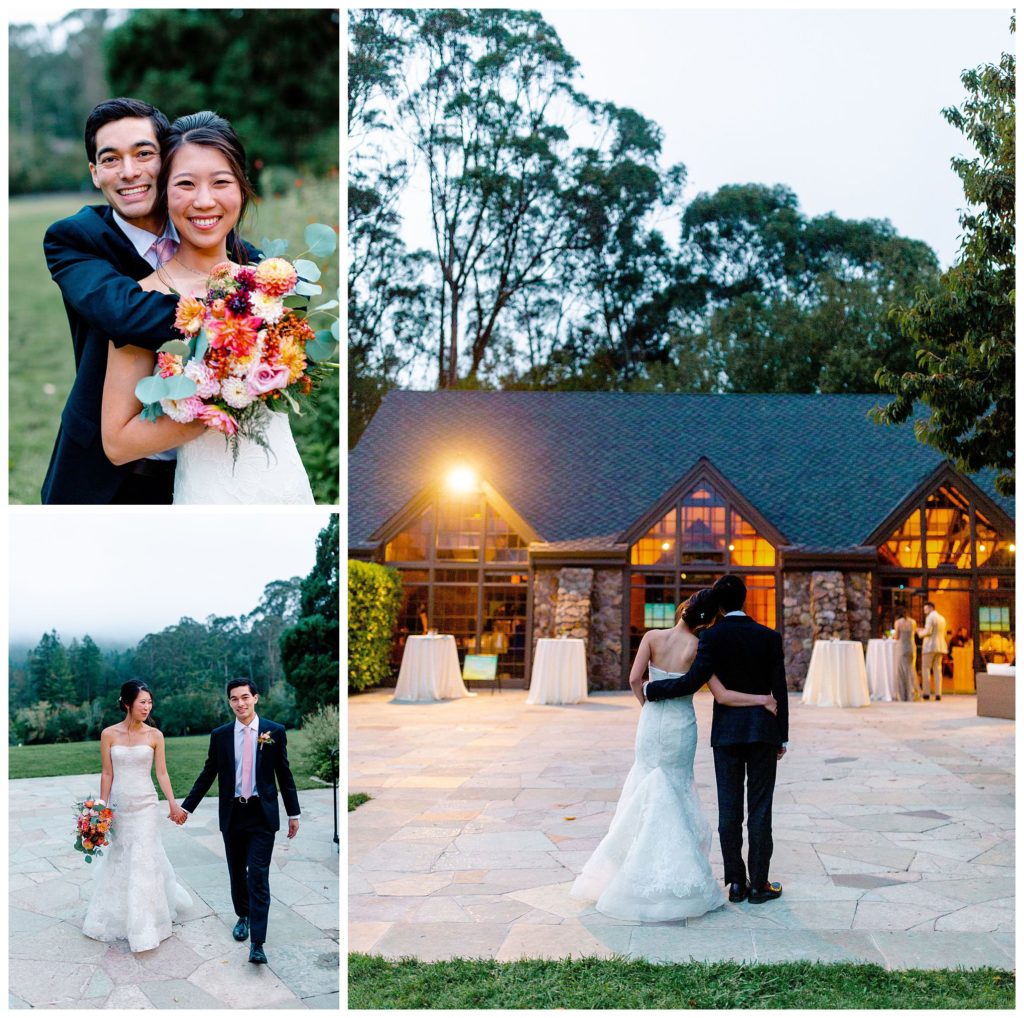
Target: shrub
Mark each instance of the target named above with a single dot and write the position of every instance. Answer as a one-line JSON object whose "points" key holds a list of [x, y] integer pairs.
{"points": [[374, 598], [321, 729]]}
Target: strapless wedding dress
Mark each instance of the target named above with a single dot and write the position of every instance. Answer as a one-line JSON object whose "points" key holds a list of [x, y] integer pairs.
{"points": [[652, 865], [135, 896], [207, 474]]}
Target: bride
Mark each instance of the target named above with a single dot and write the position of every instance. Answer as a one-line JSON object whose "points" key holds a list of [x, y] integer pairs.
{"points": [[135, 895], [203, 183], [652, 865]]}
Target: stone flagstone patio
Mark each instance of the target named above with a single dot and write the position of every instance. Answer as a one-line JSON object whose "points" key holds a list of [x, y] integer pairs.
{"points": [[200, 966], [893, 830]]}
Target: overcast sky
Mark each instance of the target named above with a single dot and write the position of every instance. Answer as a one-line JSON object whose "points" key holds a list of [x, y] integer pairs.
{"points": [[120, 575], [843, 106]]}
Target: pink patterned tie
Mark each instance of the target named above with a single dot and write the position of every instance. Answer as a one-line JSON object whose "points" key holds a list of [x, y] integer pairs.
{"points": [[164, 248], [246, 763]]}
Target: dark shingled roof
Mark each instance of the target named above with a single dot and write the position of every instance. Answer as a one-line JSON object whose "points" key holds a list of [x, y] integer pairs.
{"points": [[579, 465]]}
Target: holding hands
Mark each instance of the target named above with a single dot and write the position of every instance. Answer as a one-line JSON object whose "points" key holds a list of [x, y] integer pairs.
{"points": [[177, 814]]}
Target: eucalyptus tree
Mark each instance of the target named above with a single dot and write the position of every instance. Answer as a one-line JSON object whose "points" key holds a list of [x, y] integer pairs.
{"points": [[964, 333]]}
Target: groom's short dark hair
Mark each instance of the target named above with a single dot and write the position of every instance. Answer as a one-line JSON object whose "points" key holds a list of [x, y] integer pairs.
{"points": [[235, 683], [731, 592], [121, 109]]}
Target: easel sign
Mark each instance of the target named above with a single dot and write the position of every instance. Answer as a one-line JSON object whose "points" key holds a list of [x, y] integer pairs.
{"points": [[480, 667]]}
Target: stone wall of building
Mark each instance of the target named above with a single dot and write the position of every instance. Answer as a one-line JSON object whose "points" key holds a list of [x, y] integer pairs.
{"points": [[798, 633], [545, 597], [604, 652], [858, 606], [822, 605]]}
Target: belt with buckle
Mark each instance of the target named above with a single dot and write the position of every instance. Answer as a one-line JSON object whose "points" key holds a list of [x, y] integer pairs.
{"points": [[243, 800]]}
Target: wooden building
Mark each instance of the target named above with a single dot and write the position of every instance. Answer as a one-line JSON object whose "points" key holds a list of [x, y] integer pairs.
{"points": [[517, 515]]}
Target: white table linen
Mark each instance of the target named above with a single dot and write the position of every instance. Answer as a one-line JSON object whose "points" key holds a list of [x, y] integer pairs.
{"points": [[836, 676], [429, 670], [882, 667], [559, 672]]}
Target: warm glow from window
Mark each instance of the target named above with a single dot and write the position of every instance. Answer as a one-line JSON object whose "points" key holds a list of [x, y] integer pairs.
{"points": [[461, 480]]}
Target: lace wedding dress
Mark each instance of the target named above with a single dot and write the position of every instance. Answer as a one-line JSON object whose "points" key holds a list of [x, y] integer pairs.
{"points": [[206, 474], [135, 895], [652, 865]]}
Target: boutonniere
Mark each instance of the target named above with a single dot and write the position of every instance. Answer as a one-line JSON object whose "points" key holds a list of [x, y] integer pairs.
{"points": [[265, 739]]}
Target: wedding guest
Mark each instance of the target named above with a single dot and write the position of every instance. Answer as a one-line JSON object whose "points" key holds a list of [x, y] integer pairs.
{"points": [[906, 673]]}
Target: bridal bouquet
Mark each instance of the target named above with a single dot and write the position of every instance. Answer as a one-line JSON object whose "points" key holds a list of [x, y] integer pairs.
{"points": [[93, 823], [247, 345]]}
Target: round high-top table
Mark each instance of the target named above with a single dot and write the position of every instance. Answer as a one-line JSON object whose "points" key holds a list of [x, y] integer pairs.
{"points": [[559, 672], [836, 676], [429, 671], [882, 667]]}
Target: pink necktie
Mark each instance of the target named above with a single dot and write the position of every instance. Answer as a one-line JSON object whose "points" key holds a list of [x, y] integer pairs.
{"points": [[246, 763], [164, 248]]}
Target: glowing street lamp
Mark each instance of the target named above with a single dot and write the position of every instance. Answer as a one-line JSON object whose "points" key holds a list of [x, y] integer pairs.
{"points": [[461, 480]]}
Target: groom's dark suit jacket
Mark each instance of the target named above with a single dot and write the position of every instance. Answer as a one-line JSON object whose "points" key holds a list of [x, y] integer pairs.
{"points": [[747, 658], [272, 771], [97, 269]]}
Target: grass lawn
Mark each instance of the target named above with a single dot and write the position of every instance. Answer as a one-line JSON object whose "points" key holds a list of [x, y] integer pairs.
{"points": [[356, 799], [41, 361], [591, 984], [186, 755]]}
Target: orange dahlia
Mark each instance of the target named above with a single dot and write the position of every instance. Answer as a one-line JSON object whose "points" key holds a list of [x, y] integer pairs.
{"points": [[235, 332], [276, 276], [189, 316]]}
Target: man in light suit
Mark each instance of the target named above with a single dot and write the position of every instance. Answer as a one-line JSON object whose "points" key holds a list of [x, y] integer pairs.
{"points": [[932, 649]]}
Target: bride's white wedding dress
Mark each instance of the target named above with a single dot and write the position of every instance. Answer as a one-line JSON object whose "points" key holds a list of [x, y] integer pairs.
{"points": [[652, 865], [135, 895], [207, 474]]}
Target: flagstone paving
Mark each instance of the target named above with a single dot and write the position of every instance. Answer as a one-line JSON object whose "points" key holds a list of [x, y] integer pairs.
{"points": [[52, 964], [893, 831]]}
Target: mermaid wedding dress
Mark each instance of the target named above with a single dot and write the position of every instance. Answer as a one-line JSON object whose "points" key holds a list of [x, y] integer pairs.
{"points": [[652, 865], [207, 474], [135, 895]]}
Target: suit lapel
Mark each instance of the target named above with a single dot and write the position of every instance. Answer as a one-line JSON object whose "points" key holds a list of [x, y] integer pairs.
{"points": [[134, 264]]}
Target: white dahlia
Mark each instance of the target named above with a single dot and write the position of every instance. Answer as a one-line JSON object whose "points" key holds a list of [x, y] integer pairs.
{"points": [[235, 392], [206, 381], [270, 309]]}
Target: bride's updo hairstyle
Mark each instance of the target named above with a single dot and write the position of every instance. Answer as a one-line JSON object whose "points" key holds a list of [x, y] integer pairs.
{"points": [[699, 610], [130, 693], [209, 129]]}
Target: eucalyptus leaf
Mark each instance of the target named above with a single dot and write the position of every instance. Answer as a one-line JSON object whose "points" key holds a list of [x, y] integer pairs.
{"points": [[152, 412], [273, 248], [180, 387], [308, 289], [307, 269], [320, 239], [322, 347], [295, 406], [202, 342], [293, 300], [336, 330], [177, 347], [325, 307], [151, 389]]}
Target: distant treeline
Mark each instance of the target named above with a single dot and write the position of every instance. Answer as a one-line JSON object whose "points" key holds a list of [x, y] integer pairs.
{"points": [[288, 645], [273, 73]]}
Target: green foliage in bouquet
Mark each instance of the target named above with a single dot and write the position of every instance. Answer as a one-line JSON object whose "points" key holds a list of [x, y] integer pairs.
{"points": [[374, 599]]}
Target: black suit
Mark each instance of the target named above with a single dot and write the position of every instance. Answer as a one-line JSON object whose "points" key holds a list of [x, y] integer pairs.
{"points": [[248, 828], [97, 269], [747, 658]]}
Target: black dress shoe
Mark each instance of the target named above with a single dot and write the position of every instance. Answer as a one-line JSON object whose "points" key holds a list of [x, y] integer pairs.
{"points": [[241, 930], [738, 892], [925, 696], [256, 955], [770, 891], [938, 698]]}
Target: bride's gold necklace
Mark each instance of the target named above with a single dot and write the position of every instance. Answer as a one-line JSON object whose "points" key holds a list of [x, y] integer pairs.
{"points": [[188, 268]]}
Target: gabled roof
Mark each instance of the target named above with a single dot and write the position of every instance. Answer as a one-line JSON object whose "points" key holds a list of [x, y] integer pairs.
{"points": [[578, 465]]}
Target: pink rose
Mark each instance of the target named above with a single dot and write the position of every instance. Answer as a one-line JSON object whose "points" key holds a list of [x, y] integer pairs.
{"points": [[266, 377], [214, 417]]}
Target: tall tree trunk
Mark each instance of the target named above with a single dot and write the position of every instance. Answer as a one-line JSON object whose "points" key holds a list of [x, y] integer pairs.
{"points": [[453, 345]]}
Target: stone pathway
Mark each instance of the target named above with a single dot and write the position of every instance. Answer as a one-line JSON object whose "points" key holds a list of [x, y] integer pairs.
{"points": [[200, 965], [893, 834]]}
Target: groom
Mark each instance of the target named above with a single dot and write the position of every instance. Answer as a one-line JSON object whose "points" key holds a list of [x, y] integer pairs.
{"points": [[96, 257], [747, 742], [249, 758]]}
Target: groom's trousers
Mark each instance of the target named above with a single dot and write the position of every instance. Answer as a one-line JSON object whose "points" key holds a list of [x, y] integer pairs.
{"points": [[755, 763], [249, 845]]}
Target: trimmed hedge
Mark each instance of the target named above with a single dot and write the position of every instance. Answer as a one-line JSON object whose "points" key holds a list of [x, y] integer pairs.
{"points": [[374, 598]]}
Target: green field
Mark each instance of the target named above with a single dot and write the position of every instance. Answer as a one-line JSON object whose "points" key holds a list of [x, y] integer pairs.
{"points": [[186, 755], [41, 360], [591, 983]]}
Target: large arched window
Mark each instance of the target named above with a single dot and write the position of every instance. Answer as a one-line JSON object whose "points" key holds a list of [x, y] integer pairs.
{"points": [[464, 572], [704, 533], [950, 546]]}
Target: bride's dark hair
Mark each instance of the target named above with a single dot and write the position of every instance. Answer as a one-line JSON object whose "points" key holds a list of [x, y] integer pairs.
{"points": [[130, 693], [213, 131], [699, 610]]}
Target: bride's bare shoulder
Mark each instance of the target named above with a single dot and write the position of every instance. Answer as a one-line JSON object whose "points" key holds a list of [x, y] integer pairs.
{"points": [[154, 282]]}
